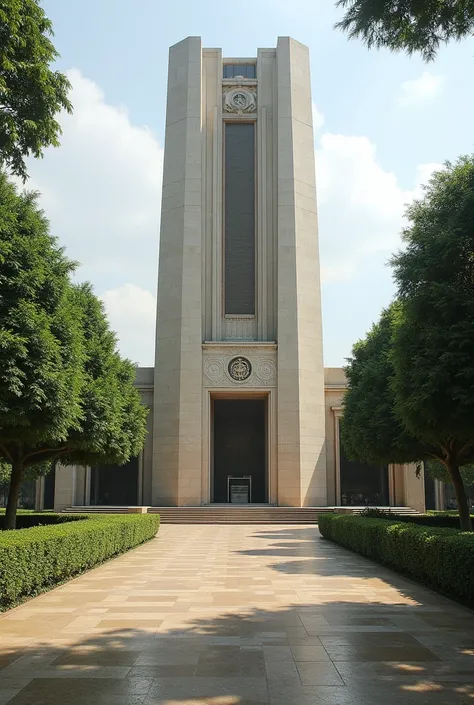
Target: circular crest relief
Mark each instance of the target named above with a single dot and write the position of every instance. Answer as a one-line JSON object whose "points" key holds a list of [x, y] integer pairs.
{"points": [[239, 368], [239, 100]]}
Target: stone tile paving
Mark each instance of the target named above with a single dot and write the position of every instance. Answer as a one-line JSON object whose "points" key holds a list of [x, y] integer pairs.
{"points": [[238, 615]]}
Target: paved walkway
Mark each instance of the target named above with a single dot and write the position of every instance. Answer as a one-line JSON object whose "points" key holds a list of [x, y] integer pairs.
{"points": [[237, 615]]}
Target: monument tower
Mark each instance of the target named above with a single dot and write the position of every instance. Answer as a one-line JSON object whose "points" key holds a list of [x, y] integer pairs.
{"points": [[241, 408], [239, 378]]}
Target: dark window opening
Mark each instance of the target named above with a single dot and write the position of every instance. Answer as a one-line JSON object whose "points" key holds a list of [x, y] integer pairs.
{"points": [[26, 498], [363, 484], [239, 218], [430, 492], [450, 501], [245, 70], [49, 487], [115, 485]]}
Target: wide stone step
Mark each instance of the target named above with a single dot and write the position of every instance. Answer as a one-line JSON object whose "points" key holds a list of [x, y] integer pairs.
{"points": [[237, 515], [232, 514]]}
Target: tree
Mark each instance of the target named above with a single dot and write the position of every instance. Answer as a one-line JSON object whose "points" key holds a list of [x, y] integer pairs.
{"points": [[65, 393], [371, 431], [32, 473], [5, 470], [407, 25], [40, 337], [31, 94], [433, 344], [113, 419], [373, 425], [438, 471]]}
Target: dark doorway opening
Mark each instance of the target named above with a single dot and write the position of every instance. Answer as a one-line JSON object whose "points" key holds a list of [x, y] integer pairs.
{"points": [[115, 485], [363, 483], [430, 491], [239, 432], [49, 487]]}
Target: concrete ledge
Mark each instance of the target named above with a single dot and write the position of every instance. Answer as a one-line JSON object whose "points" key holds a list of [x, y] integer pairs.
{"points": [[137, 510]]}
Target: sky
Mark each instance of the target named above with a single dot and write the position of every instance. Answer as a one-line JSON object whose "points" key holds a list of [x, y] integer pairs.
{"points": [[383, 123]]}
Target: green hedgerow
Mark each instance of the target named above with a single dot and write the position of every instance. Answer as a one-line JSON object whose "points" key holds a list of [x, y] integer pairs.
{"points": [[439, 557], [442, 521], [41, 557], [29, 518]]}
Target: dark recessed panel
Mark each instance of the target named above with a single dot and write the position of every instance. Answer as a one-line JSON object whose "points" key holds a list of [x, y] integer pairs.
{"points": [[239, 220]]}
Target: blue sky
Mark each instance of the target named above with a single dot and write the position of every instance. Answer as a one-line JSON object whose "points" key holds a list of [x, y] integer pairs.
{"points": [[383, 122]]}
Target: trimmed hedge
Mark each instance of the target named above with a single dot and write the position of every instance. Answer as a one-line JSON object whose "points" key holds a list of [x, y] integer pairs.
{"points": [[32, 560], [440, 558], [26, 521], [445, 521]]}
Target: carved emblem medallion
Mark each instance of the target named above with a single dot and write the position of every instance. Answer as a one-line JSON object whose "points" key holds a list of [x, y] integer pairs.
{"points": [[240, 100], [240, 369]]}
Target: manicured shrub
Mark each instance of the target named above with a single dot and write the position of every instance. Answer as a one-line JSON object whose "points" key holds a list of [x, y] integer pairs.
{"points": [[439, 557], [441, 520], [445, 521], [26, 521], [34, 559]]}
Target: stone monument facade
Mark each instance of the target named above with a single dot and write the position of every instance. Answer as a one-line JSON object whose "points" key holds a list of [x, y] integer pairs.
{"points": [[239, 376], [241, 409]]}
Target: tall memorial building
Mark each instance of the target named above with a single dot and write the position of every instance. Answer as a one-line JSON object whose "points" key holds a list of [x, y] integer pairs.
{"points": [[239, 375], [241, 407]]}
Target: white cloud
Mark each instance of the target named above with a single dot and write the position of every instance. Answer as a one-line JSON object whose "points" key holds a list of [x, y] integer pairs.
{"points": [[361, 213], [421, 90], [361, 205], [423, 175], [318, 118], [101, 191], [131, 311]]}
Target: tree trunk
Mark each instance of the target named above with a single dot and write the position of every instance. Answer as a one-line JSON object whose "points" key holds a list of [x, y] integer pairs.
{"points": [[13, 494], [461, 496]]}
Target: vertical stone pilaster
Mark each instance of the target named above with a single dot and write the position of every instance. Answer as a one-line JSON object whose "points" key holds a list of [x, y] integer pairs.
{"points": [[301, 418], [176, 473], [414, 488], [64, 487]]}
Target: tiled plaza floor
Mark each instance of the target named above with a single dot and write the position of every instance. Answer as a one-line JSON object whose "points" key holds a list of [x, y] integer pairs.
{"points": [[238, 615]]}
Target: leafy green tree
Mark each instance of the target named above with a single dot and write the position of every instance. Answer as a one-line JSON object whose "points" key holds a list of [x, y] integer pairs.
{"points": [[65, 392], [113, 419], [5, 470], [40, 338], [438, 471], [433, 343], [373, 427], [371, 431], [407, 25], [31, 94]]}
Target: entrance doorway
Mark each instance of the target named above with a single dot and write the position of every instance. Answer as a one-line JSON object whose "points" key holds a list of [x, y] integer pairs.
{"points": [[240, 463], [115, 485]]}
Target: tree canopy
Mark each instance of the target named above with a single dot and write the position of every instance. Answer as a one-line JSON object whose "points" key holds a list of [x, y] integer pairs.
{"points": [[371, 430], [438, 471], [65, 392], [434, 347], [411, 381], [407, 25], [31, 93]]}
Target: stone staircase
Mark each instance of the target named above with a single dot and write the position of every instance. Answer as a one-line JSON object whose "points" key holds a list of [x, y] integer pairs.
{"points": [[233, 514], [228, 514]]}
